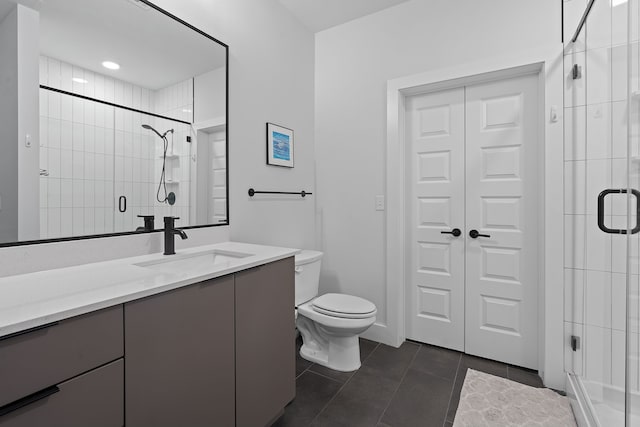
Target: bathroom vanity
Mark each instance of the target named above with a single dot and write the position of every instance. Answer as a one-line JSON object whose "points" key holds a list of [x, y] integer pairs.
{"points": [[211, 344]]}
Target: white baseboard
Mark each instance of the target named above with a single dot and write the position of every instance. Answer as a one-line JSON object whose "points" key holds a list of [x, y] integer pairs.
{"points": [[380, 333]]}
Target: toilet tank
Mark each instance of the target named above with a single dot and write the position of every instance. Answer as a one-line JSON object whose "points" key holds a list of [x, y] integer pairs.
{"points": [[307, 275]]}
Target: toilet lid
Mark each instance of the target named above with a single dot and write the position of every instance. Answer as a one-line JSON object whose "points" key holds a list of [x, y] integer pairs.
{"points": [[345, 306]]}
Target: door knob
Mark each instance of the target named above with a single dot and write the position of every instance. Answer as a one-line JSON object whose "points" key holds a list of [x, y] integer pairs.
{"points": [[456, 232], [474, 234]]}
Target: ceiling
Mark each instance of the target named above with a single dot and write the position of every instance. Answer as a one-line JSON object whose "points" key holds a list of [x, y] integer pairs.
{"points": [[154, 51], [319, 15]]}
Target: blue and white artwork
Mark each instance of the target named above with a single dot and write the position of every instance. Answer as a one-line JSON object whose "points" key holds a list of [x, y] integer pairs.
{"points": [[280, 149], [281, 146]]}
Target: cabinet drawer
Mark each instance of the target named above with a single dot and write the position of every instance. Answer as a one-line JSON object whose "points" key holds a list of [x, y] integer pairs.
{"points": [[42, 358], [93, 399]]}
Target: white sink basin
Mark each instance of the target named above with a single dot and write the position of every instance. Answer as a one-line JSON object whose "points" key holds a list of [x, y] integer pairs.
{"points": [[194, 262]]}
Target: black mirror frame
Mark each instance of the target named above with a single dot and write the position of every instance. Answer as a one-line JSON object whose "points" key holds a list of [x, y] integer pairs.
{"points": [[127, 233]]}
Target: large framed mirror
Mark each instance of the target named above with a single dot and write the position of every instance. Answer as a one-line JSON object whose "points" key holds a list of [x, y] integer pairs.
{"points": [[129, 122]]}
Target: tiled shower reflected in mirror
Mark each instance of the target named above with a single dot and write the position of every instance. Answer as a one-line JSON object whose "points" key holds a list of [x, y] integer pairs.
{"points": [[100, 168]]}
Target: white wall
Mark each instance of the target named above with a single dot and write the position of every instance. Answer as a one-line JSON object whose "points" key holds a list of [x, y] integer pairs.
{"points": [[271, 79], [271, 66], [28, 156], [354, 61], [209, 100], [9, 127], [19, 117]]}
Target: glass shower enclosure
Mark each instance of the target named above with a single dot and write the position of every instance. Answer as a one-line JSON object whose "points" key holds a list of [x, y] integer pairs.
{"points": [[602, 183]]}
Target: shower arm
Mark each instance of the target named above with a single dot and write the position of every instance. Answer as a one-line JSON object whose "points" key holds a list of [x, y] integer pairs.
{"points": [[585, 15]]}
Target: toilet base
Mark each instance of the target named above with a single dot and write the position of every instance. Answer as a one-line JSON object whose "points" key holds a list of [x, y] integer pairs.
{"points": [[342, 356], [334, 352]]}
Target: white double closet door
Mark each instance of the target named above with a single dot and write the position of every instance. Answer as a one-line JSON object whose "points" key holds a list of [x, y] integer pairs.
{"points": [[473, 166]]}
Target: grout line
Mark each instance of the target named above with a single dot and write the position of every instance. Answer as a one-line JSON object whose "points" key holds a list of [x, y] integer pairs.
{"points": [[305, 370], [324, 376], [340, 389], [371, 352], [453, 389], [330, 400], [400, 383]]}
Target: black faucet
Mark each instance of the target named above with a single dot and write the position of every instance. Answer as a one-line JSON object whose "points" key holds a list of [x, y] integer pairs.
{"points": [[149, 223], [169, 235]]}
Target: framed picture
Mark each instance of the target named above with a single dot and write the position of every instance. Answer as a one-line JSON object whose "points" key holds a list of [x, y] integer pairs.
{"points": [[279, 146]]}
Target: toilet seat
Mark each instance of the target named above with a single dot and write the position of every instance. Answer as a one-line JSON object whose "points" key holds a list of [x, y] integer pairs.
{"points": [[331, 321], [344, 306]]}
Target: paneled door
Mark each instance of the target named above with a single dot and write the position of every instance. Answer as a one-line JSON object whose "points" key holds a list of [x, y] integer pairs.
{"points": [[502, 207], [435, 128], [474, 219]]}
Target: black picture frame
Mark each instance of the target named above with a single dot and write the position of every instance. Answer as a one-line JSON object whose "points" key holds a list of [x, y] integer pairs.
{"points": [[280, 146]]}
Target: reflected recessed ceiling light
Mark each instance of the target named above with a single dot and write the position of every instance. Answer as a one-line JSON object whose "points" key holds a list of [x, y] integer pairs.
{"points": [[79, 80], [111, 65], [186, 111], [615, 3]]}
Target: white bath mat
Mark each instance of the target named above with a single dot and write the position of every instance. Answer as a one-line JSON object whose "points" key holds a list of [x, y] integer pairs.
{"points": [[490, 401]]}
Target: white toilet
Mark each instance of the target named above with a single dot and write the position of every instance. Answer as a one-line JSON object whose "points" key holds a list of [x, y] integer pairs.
{"points": [[329, 324]]}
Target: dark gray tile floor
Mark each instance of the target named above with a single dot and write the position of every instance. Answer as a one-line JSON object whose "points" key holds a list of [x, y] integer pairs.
{"points": [[414, 385]]}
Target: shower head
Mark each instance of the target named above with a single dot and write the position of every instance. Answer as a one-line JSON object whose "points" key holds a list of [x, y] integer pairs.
{"points": [[149, 127]]}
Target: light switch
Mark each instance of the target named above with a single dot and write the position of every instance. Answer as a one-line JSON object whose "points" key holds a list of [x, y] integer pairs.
{"points": [[379, 203], [27, 141]]}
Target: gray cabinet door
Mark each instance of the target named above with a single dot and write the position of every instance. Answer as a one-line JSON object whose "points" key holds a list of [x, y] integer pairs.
{"points": [[179, 352], [93, 399], [265, 342]]}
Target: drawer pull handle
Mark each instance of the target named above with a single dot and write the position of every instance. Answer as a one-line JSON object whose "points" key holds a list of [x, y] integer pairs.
{"points": [[32, 398], [26, 331]]}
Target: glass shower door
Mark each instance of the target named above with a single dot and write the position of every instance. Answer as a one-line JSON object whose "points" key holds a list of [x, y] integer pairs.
{"points": [[632, 388], [602, 169]]}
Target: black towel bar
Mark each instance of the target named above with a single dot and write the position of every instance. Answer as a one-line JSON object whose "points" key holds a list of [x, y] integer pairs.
{"points": [[302, 193]]}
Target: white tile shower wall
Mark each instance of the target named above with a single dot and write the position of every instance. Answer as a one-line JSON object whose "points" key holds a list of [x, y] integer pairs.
{"points": [[134, 176], [595, 158], [175, 101], [84, 146], [632, 85]]}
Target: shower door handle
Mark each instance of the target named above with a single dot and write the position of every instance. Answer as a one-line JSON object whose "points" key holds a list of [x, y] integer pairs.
{"points": [[601, 197], [122, 204]]}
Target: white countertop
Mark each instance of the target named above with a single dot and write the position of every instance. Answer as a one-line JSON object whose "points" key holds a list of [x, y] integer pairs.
{"points": [[35, 299]]}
